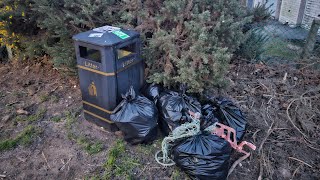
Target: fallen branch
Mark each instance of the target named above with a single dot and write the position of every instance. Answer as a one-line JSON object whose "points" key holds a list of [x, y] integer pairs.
{"points": [[2, 176], [234, 165], [301, 161]]}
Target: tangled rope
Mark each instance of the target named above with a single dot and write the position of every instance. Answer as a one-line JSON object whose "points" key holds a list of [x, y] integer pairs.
{"points": [[181, 132], [193, 128]]}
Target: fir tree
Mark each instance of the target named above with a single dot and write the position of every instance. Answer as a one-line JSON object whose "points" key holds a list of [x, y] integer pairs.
{"points": [[193, 42]]}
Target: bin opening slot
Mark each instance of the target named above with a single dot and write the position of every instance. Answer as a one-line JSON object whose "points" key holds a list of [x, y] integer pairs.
{"points": [[91, 54], [126, 51]]}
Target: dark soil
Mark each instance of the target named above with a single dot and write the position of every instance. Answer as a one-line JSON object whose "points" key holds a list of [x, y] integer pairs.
{"points": [[261, 92]]}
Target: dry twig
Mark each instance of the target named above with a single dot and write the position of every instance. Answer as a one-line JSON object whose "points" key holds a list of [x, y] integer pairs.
{"points": [[142, 171], [234, 165], [44, 157], [261, 167], [288, 114], [309, 144], [254, 136], [64, 165], [270, 130], [301, 161], [295, 171]]}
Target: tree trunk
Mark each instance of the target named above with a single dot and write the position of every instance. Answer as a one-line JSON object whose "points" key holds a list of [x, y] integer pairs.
{"points": [[9, 51]]}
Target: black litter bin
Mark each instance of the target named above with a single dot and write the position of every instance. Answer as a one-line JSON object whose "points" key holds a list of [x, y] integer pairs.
{"points": [[109, 62]]}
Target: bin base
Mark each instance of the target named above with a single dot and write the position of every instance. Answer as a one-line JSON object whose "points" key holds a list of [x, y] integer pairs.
{"points": [[112, 127]]}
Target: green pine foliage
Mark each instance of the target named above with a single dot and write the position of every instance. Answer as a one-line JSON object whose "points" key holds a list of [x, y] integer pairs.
{"points": [[193, 42], [184, 41], [254, 46], [63, 18], [262, 12]]}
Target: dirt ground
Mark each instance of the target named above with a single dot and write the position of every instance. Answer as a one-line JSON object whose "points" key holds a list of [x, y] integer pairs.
{"points": [[281, 104]]}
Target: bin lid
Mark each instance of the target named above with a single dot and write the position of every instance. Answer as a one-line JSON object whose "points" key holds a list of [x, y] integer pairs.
{"points": [[106, 36]]}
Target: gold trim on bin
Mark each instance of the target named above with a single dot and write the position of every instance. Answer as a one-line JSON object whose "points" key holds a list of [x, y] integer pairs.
{"points": [[96, 71], [97, 107], [99, 117], [108, 74]]}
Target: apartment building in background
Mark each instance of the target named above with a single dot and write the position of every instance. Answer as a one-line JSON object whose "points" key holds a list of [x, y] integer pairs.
{"points": [[291, 12]]}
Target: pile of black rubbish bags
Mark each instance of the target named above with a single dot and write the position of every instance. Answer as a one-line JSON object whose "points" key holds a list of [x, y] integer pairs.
{"points": [[203, 156]]}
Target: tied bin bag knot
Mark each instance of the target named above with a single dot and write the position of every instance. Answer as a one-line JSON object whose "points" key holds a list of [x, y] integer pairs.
{"points": [[136, 116]]}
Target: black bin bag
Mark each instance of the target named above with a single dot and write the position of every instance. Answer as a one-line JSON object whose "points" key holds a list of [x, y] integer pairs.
{"points": [[173, 109], [152, 92], [204, 156], [208, 117], [136, 116], [229, 114]]}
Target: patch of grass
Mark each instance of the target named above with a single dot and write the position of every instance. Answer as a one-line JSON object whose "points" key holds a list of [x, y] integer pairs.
{"points": [[24, 138], [119, 163], [54, 98], [89, 146], [280, 48], [176, 174], [44, 97], [39, 115], [95, 148], [126, 166], [56, 119], [70, 119], [149, 148], [95, 177], [114, 153]]}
